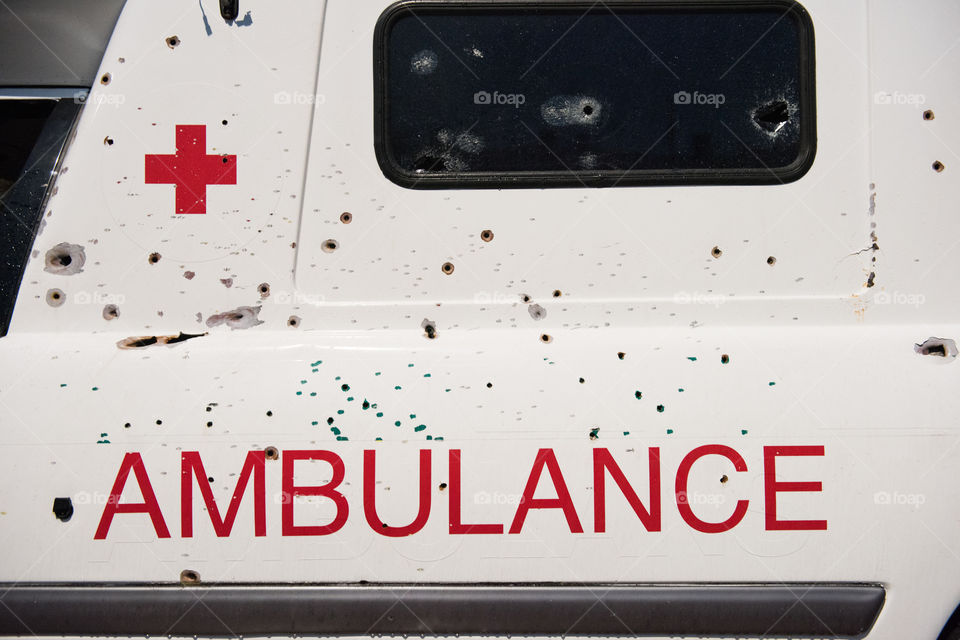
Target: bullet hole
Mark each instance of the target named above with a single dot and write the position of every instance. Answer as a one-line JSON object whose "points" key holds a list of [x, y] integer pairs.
{"points": [[429, 328], [638, 395], [557, 293], [105, 78], [223, 122], [443, 485], [108, 141], [582, 380], [225, 159], [111, 312], [486, 235], [227, 282], [346, 217], [723, 479], [772, 116], [524, 298], [56, 297], [64, 259], [928, 115], [938, 166], [594, 433], [621, 355], [344, 387], [142, 342], [63, 509], [271, 453], [126, 425], [154, 258], [870, 279], [942, 347], [269, 414], [771, 261], [189, 275], [159, 422], [209, 424], [329, 246], [537, 312], [264, 290], [567, 110], [660, 408], [189, 576], [239, 318], [293, 321], [489, 385], [724, 359], [715, 252], [172, 42], [210, 479], [546, 338], [447, 268]]}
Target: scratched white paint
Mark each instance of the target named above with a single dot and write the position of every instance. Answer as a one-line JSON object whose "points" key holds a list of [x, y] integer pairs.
{"points": [[635, 273]]}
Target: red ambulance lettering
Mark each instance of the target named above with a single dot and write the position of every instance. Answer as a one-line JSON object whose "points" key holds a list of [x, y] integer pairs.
{"points": [[329, 490], [683, 502], [191, 465], [370, 496], [546, 458], [150, 506], [771, 488]]}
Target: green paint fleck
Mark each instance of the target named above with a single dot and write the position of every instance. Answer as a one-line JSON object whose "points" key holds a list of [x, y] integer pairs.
{"points": [[397, 387], [429, 437], [626, 433], [660, 408], [692, 358], [379, 439], [439, 438], [771, 383], [313, 394], [339, 412], [349, 398], [446, 390], [103, 435], [377, 373], [637, 395], [397, 423], [335, 431], [413, 416], [342, 438], [63, 384], [303, 382], [103, 442], [95, 389], [317, 363], [594, 433], [743, 432], [314, 423], [315, 370], [426, 375], [680, 390], [299, 393], [379, 414], [337, 378], [410, 365], [669, 431], [420, 427]]}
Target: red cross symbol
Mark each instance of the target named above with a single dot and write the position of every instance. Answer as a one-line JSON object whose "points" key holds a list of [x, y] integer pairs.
{"points": [[190, 168]]}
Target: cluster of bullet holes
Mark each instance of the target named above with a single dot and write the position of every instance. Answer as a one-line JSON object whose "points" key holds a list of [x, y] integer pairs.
{"points": [[63, 509], [716, 252], [153, 258], [271, 453], [329, 246], [293, 321], [173, 41], [264, 290], [64, 259], [105, 78], [486, 235], [189, 576], [56, 297], [108, 141], [429, 328], [111, 312], [346, 217], [447, 268]]}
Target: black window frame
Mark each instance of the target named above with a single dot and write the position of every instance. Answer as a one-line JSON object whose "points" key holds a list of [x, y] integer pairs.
{"points": [[592, 178]]}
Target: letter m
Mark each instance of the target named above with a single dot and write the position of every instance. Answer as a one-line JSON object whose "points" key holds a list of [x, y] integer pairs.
{"points": [[192, 466]]}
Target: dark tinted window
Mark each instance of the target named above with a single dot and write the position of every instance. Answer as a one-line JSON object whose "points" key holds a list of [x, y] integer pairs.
{"points": [[483, 92]]}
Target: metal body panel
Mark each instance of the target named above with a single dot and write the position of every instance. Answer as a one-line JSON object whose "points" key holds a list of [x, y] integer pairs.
{"points": [[818, 344]]}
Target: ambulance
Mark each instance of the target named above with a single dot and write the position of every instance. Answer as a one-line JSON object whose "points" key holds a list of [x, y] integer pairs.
{"points": [[480, 318]]}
